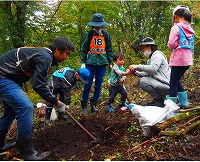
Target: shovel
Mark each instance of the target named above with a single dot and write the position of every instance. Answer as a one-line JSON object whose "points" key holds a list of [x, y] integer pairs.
{"points": [[95, 140]]}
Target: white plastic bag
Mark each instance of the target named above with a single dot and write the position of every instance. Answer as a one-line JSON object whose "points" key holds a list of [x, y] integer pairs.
{"points": [[148, 116], [53, 115]]}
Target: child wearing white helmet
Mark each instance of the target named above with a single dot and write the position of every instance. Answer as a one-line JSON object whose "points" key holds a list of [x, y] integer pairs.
{"points": [[181, 44]]}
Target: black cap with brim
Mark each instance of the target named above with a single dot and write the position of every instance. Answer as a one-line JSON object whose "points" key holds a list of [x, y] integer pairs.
{"points": [[147, 41]]}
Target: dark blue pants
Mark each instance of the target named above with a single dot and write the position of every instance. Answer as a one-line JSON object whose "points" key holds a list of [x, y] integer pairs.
{"points": [[98, 72], [175, 77], [16, 106], [114, 90]]}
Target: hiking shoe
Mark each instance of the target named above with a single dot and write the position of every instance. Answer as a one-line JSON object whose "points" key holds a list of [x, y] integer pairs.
{"points": [[110, 109]]}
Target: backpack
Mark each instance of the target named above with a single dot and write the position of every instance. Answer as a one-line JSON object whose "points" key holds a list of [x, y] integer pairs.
{"points": [[91, 33], [61, 72], [184, 41]]}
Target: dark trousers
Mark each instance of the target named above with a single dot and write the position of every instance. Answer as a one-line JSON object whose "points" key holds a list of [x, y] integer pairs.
{"points": [[114, 90], [175, 77]]}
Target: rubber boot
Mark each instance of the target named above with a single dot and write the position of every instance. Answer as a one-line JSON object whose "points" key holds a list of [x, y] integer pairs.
{"points": [[62, 116], [28, 152], [174, 99], [48, 115], [93, 104], [5, 146], [183, 99], [84, 107]]}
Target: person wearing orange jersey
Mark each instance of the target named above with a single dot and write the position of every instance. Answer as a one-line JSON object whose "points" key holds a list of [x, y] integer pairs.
{"points": [[96, 54]]}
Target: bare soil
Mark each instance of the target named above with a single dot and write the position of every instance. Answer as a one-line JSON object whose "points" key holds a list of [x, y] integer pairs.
{"points": [[119, 133]]}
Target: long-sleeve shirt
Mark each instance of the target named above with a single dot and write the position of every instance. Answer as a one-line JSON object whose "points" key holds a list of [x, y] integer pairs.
{"points": [[115, 75], [157, 67], [180, 56]]}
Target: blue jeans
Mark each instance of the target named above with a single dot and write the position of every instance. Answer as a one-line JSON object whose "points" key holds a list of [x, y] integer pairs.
{"points": [[175, 84], [98, 72], [16, 106]]}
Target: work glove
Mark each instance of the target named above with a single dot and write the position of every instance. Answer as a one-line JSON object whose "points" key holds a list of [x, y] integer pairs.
{"points": [[83, 65], [67, 108], [61, 107]]}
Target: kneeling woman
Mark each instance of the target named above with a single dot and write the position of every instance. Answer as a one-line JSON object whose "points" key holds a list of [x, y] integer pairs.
{"points": [[155, 75]]}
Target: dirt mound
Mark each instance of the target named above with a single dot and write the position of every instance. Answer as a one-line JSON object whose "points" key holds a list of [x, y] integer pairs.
{"points": [[119, 133]]}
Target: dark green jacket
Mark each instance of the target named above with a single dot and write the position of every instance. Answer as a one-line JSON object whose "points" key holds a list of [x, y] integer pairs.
{"points": [[96, 59]]}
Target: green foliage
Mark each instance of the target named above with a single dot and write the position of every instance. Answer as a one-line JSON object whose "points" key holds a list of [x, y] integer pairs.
{"points": [[128, 21], [132, 128], [35, 97], [37, 23], [119, 156]]}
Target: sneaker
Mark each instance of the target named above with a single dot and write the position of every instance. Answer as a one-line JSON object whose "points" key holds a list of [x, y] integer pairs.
{"points": [[110, 109], [124, 104]]}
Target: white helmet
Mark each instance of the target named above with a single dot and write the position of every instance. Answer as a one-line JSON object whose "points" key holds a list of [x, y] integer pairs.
{"points": [[177, 8], [181, 7]]}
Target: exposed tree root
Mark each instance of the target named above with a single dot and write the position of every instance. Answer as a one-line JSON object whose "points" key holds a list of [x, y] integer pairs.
{"points": [[176, 119], [187, 110], [181, 132]]}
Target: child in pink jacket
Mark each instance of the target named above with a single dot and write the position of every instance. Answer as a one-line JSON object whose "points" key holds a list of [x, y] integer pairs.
{"points": [[181, 43]]}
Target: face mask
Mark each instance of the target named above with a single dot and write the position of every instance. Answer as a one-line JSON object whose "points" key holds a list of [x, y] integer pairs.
{"points": [[147, 53]]}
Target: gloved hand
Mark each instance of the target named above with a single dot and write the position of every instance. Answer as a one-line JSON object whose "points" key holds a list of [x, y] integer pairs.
{"points": [[67, 108], [60, 106], [83, 65]]}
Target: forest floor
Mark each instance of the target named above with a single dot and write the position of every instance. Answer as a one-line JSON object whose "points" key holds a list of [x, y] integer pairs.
{"points": [[119, 133]]}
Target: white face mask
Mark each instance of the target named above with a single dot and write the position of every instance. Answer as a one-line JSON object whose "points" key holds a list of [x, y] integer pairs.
{"points": [[147, 53]]}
